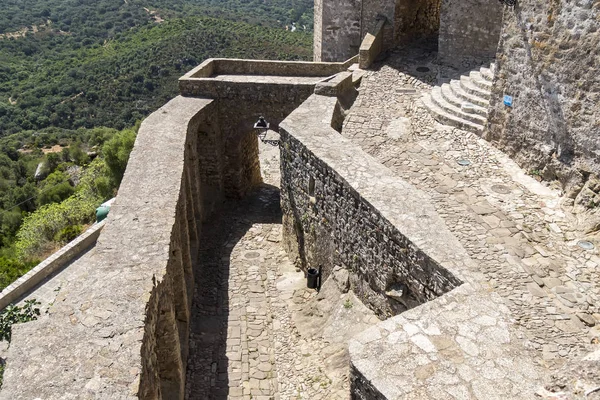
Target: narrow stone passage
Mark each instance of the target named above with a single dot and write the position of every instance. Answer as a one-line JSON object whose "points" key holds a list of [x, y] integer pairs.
{"points": [[245, 342]]}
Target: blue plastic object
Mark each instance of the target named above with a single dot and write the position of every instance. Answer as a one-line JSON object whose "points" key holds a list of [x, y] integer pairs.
{"points": [[508, 100], [102, 212]]}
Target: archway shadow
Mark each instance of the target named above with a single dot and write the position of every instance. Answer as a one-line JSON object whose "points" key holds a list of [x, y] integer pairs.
{"points": [[207, 370]]}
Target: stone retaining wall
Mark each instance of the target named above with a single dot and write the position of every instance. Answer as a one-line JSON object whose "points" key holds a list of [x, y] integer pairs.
{"points": [[119, 328], [340, 207]]}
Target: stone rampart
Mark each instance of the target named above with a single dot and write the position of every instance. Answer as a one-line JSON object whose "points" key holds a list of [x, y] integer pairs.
{"points": [[469, 32], [119, 329], [266, 88], [341, 207], [547, 62]]}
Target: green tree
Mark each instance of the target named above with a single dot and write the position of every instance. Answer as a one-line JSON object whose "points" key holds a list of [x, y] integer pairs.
{"points": [[116, 154], [56, 188]]}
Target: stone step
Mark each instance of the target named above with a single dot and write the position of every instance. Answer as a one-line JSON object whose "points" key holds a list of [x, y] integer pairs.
{"points": [[443, 117], [450, 97], [487, 74], [439, 100], [480, 81], [461, 94], [469, 87]]}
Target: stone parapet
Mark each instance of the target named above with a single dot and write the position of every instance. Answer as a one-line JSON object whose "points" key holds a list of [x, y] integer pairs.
{"points": [[341, 207], [233, 66], [119, 329]]}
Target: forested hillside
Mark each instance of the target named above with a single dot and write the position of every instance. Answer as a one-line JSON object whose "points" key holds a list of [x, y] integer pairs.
{"points": [[109, 63], [76, 76]]}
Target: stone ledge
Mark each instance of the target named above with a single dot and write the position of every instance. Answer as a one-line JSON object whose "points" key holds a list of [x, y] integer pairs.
{"points": [[460, 345], [233, 66], [56, 261]]}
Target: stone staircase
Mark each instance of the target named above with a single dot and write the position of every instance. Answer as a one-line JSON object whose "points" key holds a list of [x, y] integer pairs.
{"points": [[464, 102]]}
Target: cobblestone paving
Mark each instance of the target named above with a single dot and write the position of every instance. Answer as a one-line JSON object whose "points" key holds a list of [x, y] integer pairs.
{"points": [[244, 343], [520, 232]]}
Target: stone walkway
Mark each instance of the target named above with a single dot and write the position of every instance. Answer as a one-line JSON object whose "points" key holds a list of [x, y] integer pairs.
{"points": [[244, 342], [513, 226]]}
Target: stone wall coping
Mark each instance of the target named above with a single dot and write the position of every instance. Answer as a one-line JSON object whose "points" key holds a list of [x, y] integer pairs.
{"points": [[19, 288], [96, 338], [233, 66], [461, 343], [336, 85], [371, 45]]}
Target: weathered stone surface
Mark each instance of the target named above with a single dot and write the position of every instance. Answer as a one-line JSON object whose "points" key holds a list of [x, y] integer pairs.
{"points": [[469, 32], [121, 339], [379, 239], [544, 63]]}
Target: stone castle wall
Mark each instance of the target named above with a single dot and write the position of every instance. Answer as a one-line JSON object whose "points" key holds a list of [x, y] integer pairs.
{"points": [[336, 211], [341, 25], [342, 207], [337, 29], [547, 61], [469, 32], [119, 328]]}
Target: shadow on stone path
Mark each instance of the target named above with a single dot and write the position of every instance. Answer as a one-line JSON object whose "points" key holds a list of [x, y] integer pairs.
{"points": [[230, 342]]}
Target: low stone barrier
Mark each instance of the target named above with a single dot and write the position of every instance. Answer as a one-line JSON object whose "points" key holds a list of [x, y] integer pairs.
{"points": [[233, 66], [446, 334], [371, 45], [19, 288]]}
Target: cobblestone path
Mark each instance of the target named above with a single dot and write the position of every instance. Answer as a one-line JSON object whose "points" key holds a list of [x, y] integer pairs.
{"points": [[518, 230], [243, 341]]}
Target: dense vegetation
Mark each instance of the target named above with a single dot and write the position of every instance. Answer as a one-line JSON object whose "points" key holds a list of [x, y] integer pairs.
{"points": [[74, 74], [48, 199], [62, 80]]}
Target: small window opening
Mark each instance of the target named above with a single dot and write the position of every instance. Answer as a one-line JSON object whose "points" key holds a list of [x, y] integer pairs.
{"points": [[311, 186]]}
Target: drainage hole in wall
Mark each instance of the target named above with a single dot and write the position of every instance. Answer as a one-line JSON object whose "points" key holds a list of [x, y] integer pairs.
{"points": [[423, 69]]}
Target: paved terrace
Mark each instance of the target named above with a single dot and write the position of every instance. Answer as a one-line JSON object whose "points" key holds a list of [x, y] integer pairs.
{"points": [[520, 232]]}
